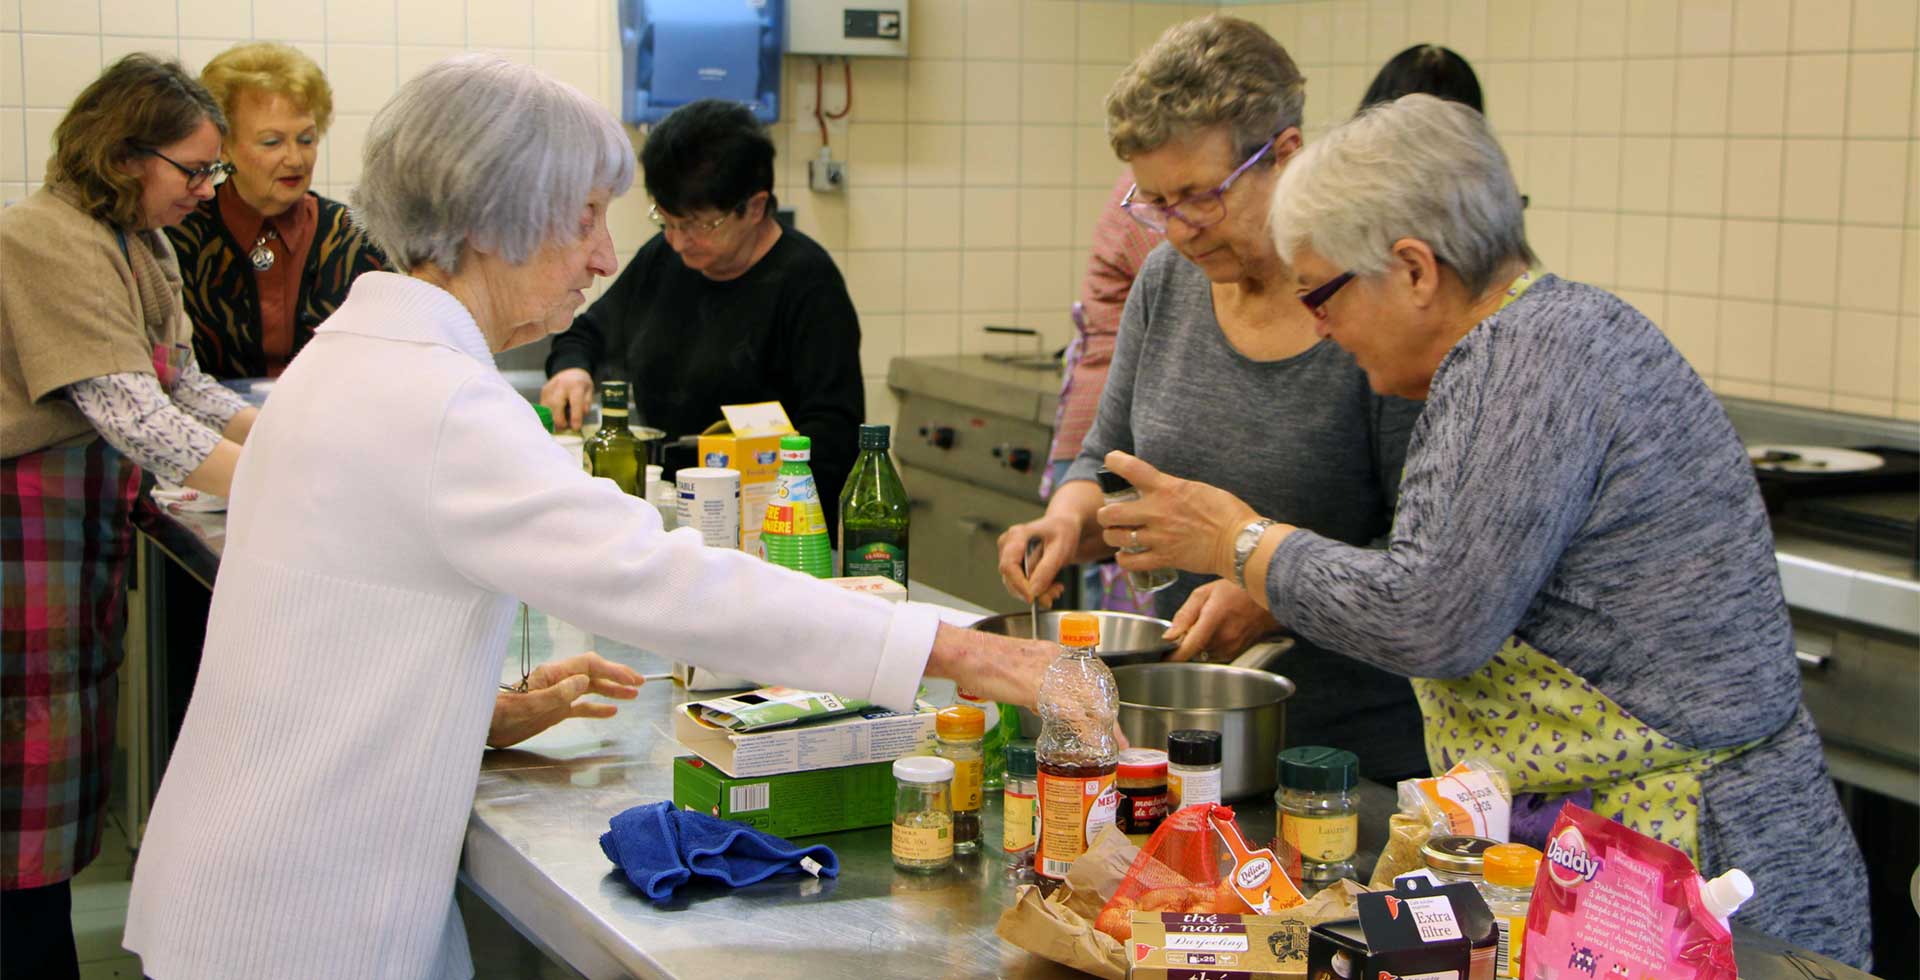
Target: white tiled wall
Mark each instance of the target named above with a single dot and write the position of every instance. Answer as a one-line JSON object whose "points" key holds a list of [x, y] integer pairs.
{"points": [[1744, 171]]}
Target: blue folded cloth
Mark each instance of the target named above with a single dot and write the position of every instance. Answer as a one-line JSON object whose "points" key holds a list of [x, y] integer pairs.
{"points": [[660, 847]]}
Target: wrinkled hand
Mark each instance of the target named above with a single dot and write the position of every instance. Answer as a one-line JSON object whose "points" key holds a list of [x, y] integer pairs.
{"points": [[567, 395], [555, 691], [1058, 538], [1218, 618], [1180, 523]]}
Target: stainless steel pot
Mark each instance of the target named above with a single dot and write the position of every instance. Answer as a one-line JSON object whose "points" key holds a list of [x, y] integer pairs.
{"points": [[1125, 638], [1246, 705]]}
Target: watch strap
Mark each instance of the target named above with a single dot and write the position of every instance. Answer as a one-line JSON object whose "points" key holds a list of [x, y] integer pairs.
{"points": [[1245, 544]]}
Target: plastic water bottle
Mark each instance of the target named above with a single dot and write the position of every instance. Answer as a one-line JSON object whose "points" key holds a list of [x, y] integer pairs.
{"points": [[794, 533]]}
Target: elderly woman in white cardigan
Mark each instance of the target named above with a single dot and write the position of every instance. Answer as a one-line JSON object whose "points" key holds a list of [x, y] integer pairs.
{"points": [[395, 503]]}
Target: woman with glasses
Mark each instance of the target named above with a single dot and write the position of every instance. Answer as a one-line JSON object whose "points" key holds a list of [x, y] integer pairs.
{"points": [[266, 259], [1581, 576], [1219, 374], [97, 383], [724, 306]]}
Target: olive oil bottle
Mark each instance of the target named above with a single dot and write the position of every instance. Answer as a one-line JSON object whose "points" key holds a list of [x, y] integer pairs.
{"points": [[874, 512], [613, 452]]}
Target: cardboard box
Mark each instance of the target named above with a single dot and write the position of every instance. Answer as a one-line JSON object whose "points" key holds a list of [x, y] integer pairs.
{"points": [[879, 585], [750, 444], [1177, 945], [1418, 929], [795, 804], [873, 735]]}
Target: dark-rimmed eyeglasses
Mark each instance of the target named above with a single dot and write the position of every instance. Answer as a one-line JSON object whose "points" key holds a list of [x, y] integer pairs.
{"points": [[696, 229], [1196, 210], [216, 172], [1316, 298]]}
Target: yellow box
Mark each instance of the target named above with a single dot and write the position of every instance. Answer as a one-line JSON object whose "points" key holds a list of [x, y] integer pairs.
{"points": [[749, 441], [1255, 947]]}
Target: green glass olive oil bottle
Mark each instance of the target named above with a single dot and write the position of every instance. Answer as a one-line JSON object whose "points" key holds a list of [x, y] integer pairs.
{"points": [[612, 452], [874, 512]]}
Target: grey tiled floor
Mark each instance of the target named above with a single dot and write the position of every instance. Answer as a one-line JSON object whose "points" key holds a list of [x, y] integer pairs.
{"points": [[100, 915]]}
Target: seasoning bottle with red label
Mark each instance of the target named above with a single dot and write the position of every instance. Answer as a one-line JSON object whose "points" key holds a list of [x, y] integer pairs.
{"points": [[1142, 780], [1077, 752]]}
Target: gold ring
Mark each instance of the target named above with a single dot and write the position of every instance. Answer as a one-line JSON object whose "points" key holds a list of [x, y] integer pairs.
{"points": [[1133, 539]]}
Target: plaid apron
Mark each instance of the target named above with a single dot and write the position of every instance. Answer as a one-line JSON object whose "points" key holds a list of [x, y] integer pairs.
{"points": [[65, 538]]}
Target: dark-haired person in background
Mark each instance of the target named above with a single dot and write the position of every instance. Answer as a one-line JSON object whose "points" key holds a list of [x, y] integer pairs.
{"points": [[1427, 68], [723, 306]]}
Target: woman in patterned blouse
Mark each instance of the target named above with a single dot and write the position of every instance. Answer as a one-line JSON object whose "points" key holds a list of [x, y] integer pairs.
{"points": [[267, 259]]}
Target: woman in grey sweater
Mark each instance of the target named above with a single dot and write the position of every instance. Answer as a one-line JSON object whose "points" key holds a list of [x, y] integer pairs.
{"points": [[1572, 485], [1219, 376]]}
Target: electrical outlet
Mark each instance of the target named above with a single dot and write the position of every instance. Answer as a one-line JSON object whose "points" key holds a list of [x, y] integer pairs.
{"points": [[827, 175]]}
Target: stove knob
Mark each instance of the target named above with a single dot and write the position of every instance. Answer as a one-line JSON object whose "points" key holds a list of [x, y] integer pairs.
{"points": [[1019, 460], [939, 436]]}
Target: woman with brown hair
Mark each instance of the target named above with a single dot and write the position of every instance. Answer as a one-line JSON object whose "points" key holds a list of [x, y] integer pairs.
{"points": [[266, 259], [97, 383]]}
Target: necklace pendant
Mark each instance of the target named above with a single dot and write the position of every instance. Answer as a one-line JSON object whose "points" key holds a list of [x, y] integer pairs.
{"points": [[262, 257]]}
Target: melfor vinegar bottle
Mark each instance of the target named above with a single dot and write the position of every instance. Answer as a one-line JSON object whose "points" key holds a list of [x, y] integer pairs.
{"points": [[794, 533]]}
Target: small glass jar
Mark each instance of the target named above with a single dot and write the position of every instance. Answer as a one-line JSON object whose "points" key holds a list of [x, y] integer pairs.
{"points": [[1019, 819], [1193, 768], [1457, 857], [922, 814], [959, 732], [1508, 889], [1117, 490], [1319, 812], [1142, 781]]}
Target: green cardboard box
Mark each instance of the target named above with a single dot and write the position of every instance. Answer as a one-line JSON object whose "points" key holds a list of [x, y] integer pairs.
{"points": [[791, 804]]}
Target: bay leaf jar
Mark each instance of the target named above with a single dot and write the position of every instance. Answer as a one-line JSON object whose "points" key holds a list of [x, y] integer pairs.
{"points": [[1319, 813], [922, 814]]}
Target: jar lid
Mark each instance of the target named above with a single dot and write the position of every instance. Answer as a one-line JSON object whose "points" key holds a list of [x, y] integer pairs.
{"points": [[1142, 764], [1459, 853], [1078, 629], [1021, 760], [923, 769], [1193, 747], [1511, 865], [1317, 767], [1111, 482], [876, 436], [960, 721]]}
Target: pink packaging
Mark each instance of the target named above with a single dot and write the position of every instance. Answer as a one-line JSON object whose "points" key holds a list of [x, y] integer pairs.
{"points": [[1613, 904]]}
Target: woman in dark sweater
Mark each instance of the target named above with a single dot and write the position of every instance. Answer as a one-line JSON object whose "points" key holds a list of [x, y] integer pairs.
{"points": [[722, 307]]}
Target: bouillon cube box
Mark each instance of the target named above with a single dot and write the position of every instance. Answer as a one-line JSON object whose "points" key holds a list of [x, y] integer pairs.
{"points": [[1418, 929], [794, 804], [751, 444]]}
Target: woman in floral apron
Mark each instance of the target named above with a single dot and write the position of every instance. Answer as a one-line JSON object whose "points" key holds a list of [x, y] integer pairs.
{"points": [[98, 384], [1581, 574]]}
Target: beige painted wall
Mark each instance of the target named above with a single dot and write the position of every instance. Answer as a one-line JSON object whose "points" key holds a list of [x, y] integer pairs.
{"points": [[1744, 171]]}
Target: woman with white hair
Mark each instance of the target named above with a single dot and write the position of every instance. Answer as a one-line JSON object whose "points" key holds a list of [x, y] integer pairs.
{"points": [[1571, 483], [397, 500]]}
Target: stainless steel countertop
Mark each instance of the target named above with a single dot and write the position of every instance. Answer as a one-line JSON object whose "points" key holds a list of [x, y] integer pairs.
{"points": [[532, 852]]}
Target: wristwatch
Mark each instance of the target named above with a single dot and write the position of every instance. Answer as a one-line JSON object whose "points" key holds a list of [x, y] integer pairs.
{"points": [[1243, 545]]}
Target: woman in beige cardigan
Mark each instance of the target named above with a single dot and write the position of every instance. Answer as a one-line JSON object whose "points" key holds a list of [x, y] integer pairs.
{"points": [[98, 384]]}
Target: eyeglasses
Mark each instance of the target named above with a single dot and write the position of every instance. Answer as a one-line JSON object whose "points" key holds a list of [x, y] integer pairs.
{"points": [[1317, 298], [693, 229], [1196, 211], [216, 171]]}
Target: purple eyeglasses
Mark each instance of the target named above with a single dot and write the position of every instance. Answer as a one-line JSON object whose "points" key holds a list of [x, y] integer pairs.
{"points": [[1318, 296], [1198, 210]]}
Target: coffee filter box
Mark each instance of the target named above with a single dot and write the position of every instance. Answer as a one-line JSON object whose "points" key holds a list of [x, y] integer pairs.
{"points": [[1419, 929]]}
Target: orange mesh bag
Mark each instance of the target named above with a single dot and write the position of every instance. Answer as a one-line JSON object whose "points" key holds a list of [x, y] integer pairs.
{"points": [[1198, 862]]}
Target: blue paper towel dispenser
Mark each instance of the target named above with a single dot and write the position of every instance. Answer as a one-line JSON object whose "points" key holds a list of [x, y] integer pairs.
{"points": [[673, 52]]}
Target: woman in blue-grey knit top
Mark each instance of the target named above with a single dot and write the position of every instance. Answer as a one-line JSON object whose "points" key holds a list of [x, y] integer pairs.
{"points": [[1581, 579]]}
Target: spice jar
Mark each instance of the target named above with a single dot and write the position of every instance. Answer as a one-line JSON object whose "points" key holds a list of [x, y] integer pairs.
{"points": [[1510, 870], [1116, 490], [1017, 813], [1319, 814], [1193, 768], [922, 815], [1457, 857], [1142, 781], [959, 733]]}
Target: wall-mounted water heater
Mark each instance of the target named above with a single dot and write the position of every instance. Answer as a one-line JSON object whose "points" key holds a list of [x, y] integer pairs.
{"points": [[673, 52]]}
